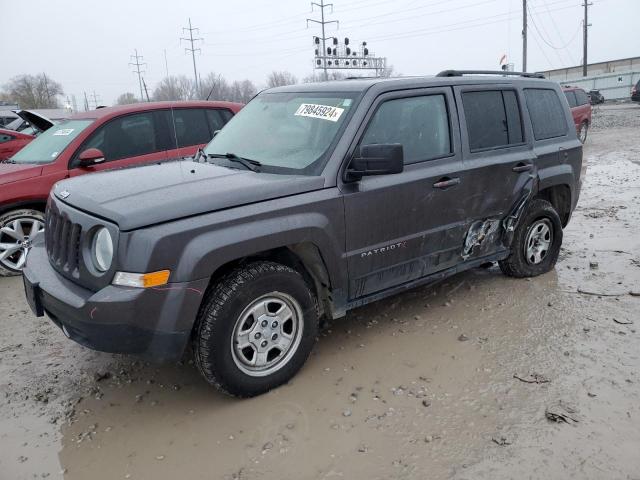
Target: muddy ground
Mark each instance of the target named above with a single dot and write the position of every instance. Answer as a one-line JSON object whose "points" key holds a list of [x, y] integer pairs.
{"points": [[418, 386]]}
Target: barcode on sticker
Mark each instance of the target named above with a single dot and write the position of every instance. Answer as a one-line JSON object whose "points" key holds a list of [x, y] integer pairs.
{"points": [[319, 111]]}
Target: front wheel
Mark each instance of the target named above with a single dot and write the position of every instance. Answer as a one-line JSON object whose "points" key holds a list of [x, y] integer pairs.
{"points": [[536, 242], [255, 329], [18, 228]]}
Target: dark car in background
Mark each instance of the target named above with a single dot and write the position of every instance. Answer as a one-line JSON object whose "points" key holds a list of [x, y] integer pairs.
{"points": [[90, 142], [635, 92], [580, 110], [596, 97]]}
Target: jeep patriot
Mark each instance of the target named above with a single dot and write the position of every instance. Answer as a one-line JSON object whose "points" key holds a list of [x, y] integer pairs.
{"points": [[313, 200]]}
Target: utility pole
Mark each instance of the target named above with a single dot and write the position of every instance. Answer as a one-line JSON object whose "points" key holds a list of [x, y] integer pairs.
{"points": [[193, 51], [166, 64], [524, 35], [46, 89], [322, 22], [145, 89], [137, 63], [585, 28]]}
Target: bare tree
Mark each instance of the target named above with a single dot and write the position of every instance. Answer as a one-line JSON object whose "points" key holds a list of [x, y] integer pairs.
{"points": [[126, 99], [279, 79], [34, 91], [219, 89], [319, 77], [175, 88]]}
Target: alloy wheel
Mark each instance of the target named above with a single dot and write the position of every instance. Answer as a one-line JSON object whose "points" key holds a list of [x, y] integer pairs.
{"points": [[16, 238]]}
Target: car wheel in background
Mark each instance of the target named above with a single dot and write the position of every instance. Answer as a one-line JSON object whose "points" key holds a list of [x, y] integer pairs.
{"points": [[536, 242], [18, 228], [255, 329]]}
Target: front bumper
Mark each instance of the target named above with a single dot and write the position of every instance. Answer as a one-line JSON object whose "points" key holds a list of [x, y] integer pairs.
{"points": [[154, 322]]}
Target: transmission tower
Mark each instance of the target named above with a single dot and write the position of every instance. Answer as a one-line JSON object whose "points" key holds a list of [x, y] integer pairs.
{"points": [[322, 23], [193, 50], [137, 64]]}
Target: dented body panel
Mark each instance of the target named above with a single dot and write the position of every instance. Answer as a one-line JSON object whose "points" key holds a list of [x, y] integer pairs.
{"points": [[355, 241]]}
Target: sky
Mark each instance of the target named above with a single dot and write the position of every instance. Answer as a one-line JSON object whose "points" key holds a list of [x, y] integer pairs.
{"points": [[86, 44]]}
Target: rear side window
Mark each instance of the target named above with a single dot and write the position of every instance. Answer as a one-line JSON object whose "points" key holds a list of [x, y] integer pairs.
{"points": [[571, 98], [546, 112], [420, 124], [191, 127], [581, 97], [493, 119]]}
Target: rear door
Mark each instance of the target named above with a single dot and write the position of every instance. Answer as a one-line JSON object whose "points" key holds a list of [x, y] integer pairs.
{"points": [[405, 226], [498, 162], [127, 140]]}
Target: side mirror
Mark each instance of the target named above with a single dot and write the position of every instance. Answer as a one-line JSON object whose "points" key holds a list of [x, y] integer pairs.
{"points": [[376, 159], [89, 157]]}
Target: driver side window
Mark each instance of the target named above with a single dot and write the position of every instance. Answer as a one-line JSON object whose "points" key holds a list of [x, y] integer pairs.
{"points": [[124, 137], [420, 124]]}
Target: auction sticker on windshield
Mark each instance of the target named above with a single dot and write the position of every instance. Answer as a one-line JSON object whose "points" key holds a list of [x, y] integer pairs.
{"points": [[324, 112], [64, 131]]}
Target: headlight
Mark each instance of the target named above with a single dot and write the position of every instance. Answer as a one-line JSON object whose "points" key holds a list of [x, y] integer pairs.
{"points": [[102, 250]]}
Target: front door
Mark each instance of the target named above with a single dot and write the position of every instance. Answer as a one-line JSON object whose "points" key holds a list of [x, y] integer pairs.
{"points": [[402, 227]]}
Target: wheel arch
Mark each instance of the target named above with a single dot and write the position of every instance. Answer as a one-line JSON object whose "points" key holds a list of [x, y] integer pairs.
{"points": [[39, 205], [560, 197]]}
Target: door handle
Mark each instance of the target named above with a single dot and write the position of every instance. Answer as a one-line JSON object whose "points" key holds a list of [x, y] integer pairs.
{"points": [[522, 167], [446, 182]]}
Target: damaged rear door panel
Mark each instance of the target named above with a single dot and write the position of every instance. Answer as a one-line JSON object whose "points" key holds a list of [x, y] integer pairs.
{"points": [[499, 164]]}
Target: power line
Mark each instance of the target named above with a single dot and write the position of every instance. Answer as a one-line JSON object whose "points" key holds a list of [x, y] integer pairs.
{"points": [[193, 50], [137, 63]]}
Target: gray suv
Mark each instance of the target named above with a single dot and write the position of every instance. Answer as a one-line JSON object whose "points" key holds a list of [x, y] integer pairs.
{"points": [[315, 199]]}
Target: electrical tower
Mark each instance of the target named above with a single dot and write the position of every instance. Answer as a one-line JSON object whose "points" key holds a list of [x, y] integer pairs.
{"points": [[322, 23], [193, 50], [137, 63], [95, 99], [585, 28]]}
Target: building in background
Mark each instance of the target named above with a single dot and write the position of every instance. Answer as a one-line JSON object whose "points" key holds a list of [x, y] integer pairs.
{"points": [[614, 78]]}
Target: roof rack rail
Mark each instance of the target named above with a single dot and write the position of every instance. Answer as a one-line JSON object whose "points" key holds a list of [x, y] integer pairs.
{"points": [[459, 73]]}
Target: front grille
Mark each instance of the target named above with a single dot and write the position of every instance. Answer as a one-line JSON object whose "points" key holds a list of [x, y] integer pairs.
{"points": [[62, 239]]}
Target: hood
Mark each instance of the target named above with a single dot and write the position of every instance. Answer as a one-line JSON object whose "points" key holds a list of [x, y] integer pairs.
{"points": [[13, 172], [34, 119], [148, 195]]}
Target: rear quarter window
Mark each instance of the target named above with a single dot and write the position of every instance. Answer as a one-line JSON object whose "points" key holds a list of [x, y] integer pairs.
{"points": [[546, 112]]}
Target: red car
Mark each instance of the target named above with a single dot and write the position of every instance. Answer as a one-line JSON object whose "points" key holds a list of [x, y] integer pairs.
{"points": [[90, 142], [11, 142], [580, 109]]}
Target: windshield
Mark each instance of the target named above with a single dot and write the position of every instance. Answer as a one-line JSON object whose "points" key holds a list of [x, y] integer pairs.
{"points": [[48, 145], [285, 132]]}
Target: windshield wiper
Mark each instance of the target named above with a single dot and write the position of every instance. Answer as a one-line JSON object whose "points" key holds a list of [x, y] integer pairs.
{"points": [[8, 160], [249, 164]]}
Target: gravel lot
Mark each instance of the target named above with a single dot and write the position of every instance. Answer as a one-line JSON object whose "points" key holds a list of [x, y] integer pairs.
{"points": [[453, 381]]}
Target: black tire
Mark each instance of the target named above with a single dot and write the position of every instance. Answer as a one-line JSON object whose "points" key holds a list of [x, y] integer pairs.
{"points": [[5, 220], [517, 264], [221, 311]]}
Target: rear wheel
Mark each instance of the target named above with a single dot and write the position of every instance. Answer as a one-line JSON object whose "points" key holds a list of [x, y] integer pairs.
{"points": [[18, 229], [536, 242], [583, 131], [256, 329]]}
